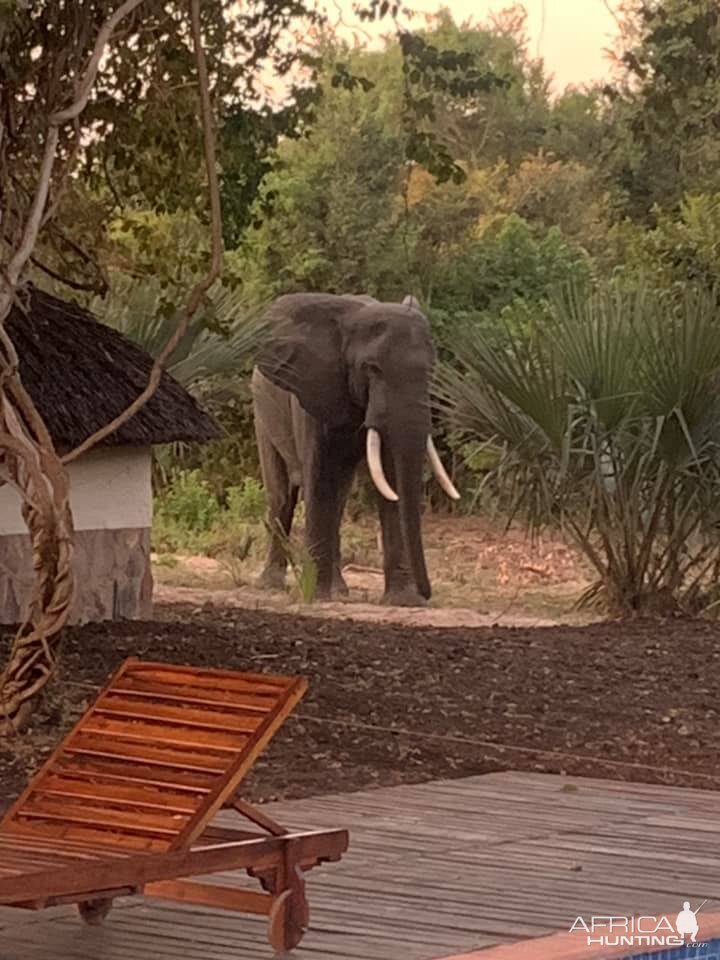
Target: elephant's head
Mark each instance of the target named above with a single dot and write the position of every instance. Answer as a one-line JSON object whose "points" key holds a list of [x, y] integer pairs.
{"points": [[353, 362]]}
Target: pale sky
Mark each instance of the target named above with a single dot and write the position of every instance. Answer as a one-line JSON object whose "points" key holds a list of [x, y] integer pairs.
{"points": [[570, 35]]}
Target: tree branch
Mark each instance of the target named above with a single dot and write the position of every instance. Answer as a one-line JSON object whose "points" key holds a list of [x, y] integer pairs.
{"points": [[88, 80], [35, 218], [32, 225], [86, 287], [216, 260]]}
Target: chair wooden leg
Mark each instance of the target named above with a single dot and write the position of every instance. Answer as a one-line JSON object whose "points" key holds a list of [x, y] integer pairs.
{"points": [[289, 914], [93, 912]]}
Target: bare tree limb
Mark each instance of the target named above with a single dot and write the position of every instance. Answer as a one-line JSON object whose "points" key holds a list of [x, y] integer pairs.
{"points": [[32, 225], [216, 259]]}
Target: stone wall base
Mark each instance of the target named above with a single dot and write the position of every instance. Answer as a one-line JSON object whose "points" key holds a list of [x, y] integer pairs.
{"points": [[113, 576]]}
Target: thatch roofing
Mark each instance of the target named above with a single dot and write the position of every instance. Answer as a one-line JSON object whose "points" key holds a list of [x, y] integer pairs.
{"points": [[81, 374]]}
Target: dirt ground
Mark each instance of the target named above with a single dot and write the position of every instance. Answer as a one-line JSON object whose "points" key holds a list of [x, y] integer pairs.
{"points": [[482, 574], [390, 703]]}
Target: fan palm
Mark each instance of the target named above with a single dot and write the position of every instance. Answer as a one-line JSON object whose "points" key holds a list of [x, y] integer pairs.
{"points": [[608, 420], [211, 361], [219, 341]]}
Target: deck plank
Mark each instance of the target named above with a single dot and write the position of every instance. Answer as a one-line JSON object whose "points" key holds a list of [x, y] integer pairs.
{"points": [[434, 869]]}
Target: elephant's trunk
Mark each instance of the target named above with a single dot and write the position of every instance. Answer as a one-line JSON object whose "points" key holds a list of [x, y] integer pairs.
{"points": [[409, 457]]}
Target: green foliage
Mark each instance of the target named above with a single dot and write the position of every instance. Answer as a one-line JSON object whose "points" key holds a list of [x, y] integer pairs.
{"points": [[503, 114], [189, 517], [246, 502], [431, 75], [187, 504], [393, 172], [139, 140], [560, 193], [681, 248], [502, 277], [577, 127], [666, 112], [336, 222], [607, 422]]}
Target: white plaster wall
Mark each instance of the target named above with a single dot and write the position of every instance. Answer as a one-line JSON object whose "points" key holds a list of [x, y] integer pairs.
{"points": [[110, 489]]}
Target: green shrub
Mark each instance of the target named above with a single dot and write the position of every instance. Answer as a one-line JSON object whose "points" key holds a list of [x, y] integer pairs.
{"points": [[189, 501], [185, 512], [246, 502], [607, 421]]}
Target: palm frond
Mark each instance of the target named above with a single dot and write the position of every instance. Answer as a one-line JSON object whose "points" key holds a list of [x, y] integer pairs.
{"points": [[609, 421], [220, 340]]}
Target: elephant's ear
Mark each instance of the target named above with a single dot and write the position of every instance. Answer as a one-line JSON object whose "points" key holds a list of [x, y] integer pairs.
{"points": [[303, 353]]}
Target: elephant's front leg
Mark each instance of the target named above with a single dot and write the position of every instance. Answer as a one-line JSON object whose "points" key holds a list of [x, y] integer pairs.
{"points": [[330, 464]]}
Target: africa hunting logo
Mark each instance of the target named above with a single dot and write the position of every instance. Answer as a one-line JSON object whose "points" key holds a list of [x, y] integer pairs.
{"points": [[646, 931]]}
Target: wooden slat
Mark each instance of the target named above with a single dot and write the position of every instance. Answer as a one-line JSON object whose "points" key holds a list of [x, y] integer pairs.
{"points": [[204, 761], [257, 817], [210, 895], [23, 860], [117, 794], [114, 769], [59, 750], [227, 785], [440, 869], [115, 706], [229, 681], [164, 733], [77, 848], [240, 702], [87, 814], [62, 833]]}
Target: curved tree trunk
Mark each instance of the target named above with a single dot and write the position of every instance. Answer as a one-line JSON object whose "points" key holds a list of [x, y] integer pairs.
{"points": [[31, 466], [28, 459]]}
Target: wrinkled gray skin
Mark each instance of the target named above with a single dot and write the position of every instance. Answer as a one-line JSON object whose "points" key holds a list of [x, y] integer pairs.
{"points": [[332, 368]]}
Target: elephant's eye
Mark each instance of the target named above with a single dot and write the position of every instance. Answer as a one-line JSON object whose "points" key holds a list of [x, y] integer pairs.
{"points": [[371, 368]]}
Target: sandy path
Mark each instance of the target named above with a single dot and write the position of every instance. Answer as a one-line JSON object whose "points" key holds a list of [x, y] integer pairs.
{"points": [[248, 598]]}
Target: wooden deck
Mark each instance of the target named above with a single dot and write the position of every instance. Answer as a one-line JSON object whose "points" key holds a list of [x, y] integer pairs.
{"points": [[433, 870]]}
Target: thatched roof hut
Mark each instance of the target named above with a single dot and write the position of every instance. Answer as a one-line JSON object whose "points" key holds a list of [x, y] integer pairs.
{"points": [[81, 375]]}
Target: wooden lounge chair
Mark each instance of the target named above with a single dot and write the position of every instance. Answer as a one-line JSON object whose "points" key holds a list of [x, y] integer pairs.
{"points": [[124, 805]]}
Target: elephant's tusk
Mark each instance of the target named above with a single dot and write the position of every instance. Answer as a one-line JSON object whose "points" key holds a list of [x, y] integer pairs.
{"points": [[374, 461], [439, 470]]}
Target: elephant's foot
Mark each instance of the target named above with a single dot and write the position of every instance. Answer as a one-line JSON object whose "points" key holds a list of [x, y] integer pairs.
{"points": [[339, 587], [335, 590], [272, 578], [323, 594], [403, 597]]}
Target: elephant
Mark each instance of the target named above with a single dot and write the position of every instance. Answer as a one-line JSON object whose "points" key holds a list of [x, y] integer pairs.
{"points": [[340, 379]]}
